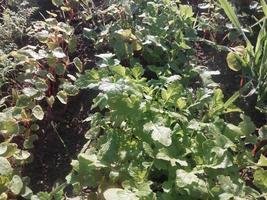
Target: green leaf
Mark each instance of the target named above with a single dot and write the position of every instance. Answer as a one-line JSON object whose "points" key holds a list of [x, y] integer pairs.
{"points": [[163, 154], [78, 64], [9, 127], [119, 194], [262, 161], [260, 179], [58, 53], [7, 149], [26, 192], [21, 155], [72, 45], [16, 185], [71, 90], [181, 103], [184, 178], [160, 133], [247, 126], [30, 92], [186, 11], [5, 167], [28, 143], [120, 70], [137, 71], [38, 112], [59, 69]]}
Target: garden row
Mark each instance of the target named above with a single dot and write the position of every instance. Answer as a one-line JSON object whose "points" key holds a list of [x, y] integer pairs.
{"points": [[160, 126]]}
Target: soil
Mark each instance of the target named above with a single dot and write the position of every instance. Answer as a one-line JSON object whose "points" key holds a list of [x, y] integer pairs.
{"points": [[56, 147]]}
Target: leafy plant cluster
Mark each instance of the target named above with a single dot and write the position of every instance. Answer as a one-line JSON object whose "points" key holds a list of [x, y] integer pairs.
{"points": [[160, 128], [33, 78], [159, 140]]}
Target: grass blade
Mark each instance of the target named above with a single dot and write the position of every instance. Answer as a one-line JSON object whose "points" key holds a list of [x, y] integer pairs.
{"points": [[264, 7], [229, 11]]}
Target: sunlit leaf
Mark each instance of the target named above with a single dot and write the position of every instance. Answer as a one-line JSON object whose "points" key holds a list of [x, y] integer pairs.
{"points": [[38, 112]]}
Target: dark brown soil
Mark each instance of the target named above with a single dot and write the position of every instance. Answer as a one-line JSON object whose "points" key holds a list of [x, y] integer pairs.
{"points": [[56, 147]]}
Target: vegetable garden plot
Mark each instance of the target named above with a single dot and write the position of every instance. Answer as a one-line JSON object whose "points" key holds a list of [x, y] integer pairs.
{"points": [[124, 100]]}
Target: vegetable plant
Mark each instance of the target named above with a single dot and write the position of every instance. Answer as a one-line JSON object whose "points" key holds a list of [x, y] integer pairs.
{"points": [[158, 140]]}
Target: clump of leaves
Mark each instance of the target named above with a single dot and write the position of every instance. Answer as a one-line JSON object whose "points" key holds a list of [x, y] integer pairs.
{"points": [[42, 76], [154, 33], [11, 182], [156, 139], [15, 23]]}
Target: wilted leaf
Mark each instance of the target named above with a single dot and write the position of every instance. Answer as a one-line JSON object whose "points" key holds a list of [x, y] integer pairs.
{"points": [[50, 101]]}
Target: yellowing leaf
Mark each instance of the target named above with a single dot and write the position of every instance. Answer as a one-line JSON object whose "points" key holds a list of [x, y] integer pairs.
{"points": [[233, 61], [62, 97], [262, 161], [38, 112]]}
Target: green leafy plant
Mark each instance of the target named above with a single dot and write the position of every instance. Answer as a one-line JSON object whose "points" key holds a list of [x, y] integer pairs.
{"points": [[156, 140], [154, 33], [14, 24], [40, 74]]}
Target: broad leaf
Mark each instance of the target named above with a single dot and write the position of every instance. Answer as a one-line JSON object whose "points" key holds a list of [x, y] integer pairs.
{"points": [[5, 167], [16, 184], [119, 194], [160, 133]]}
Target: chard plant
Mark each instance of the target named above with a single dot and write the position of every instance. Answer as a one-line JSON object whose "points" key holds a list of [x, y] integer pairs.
{"points": [[40, 75]]}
